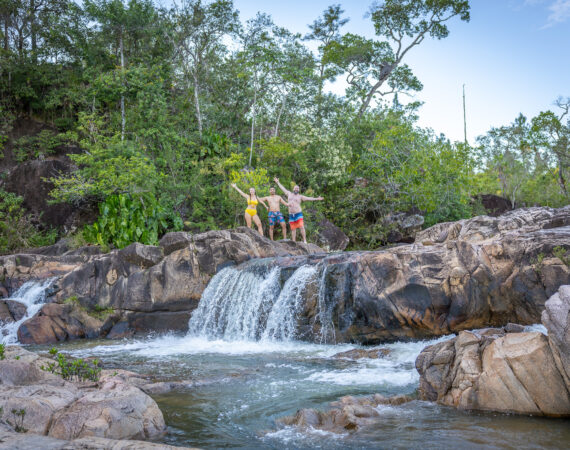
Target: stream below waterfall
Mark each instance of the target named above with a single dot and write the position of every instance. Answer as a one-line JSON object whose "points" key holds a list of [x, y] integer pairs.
{"points": [[246, 369]]}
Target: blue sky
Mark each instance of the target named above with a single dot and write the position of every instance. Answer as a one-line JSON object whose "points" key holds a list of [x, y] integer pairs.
{"points": [[513, 56]]}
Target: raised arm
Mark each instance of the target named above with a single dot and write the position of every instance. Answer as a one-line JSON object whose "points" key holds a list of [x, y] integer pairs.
{"points": [[281, 186], [260, 200], [311, 199], [243, 194]]}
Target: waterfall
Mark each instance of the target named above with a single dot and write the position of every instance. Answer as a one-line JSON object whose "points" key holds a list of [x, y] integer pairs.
{"points": [[32, 294], [250, 304]]}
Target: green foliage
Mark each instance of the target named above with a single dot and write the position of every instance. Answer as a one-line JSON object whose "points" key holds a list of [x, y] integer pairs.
{"points": [[74, 370], [2, 351], [100, 312], [124, 219], [16, 228], [560, 253], [41, 145], [18, 416]]}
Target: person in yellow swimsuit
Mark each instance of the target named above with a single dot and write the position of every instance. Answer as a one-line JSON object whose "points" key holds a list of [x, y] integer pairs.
{"points": [[251, 211]]}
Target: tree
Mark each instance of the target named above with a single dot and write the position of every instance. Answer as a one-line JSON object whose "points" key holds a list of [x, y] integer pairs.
{"points": [[199, 32], [326, 30], [403, 24]]}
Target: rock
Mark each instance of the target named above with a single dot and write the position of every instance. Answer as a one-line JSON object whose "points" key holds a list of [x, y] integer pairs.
{"points": [[115, 411], [173, 241], [149, 290], [59, 322], [5, 314], [493, 371], [330, 236], [479, 273], [403, 226], [360, 353], [347, 414], [494, 205], [113, 408], [144, 256], [13, 440], [556, 319]]}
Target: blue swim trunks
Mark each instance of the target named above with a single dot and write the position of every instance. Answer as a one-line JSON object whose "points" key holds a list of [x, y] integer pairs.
{"points": [[275, 217]]}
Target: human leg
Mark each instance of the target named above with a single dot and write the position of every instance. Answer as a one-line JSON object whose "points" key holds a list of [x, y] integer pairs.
{"points": [[247, 220], [271, 232], [258, 223], [303, 234], [284, 229]]}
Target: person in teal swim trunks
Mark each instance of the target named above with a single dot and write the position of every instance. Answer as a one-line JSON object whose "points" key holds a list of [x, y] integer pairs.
{"points": [[275, 216]]}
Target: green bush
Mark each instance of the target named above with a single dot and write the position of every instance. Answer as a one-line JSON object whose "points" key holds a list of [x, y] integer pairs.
{"points": [[16, 228], [124, 219], [77, 369]]}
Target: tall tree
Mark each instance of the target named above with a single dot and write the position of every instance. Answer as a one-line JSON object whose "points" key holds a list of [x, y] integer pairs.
{"points": [[199, 32]]}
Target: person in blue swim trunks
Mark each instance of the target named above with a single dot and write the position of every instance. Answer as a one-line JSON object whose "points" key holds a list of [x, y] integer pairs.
{"points": [[275, 216], [294, 200]]}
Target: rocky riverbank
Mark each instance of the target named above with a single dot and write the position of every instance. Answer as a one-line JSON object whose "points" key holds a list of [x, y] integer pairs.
{"points": [[39, 407], [494, 370], [469, 274]]}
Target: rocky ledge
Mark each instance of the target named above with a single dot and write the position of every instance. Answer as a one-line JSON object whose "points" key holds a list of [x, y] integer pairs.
{"points": [[474, 273], [494, 370], [481, 272], [137, 289], [39, 407]]}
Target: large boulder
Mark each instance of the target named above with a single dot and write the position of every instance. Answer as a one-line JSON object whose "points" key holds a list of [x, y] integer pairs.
{"points": [[492, 370], [35, 400], [330, 236], [556, 318]]}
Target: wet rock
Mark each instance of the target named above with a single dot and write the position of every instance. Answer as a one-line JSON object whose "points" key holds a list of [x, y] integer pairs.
{"points": [[330, 236], [482, 272], [514, 373], [147, 290], [348, 414], [59, 322], [359, 353]]}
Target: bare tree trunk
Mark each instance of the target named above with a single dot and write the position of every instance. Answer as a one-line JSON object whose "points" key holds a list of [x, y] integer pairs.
{"points": [[197, 102], [276, 132], [123, 119], [6, 27], [253, 120], [33, 29]]}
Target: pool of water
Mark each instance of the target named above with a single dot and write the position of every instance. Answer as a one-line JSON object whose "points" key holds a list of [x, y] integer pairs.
{"points": [[240, 388]]}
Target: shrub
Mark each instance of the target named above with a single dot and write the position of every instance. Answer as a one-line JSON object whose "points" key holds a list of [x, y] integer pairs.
{"points": [[124, 219]]}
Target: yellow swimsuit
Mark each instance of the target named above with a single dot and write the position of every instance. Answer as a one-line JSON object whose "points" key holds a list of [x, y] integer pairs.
{"points": [[252, 212]]}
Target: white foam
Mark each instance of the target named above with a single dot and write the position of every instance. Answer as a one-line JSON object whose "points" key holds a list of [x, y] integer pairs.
{"points": [[537, 327]]}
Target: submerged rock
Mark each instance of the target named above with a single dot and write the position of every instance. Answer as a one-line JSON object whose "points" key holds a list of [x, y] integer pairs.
{"points": [[347, 414], [359, 353], [523, 373]]}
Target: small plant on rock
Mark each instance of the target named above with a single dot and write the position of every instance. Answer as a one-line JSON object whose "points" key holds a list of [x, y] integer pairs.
{"points": [[2, 351], [537, 265], [560, 253], [18, 418], [75, 370]]}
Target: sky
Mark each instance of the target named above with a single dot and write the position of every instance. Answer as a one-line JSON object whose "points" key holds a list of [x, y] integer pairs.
{"points": [[513, 57]]}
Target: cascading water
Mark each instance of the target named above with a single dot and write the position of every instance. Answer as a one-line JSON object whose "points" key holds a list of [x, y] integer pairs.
{"points": [[32, 295], [250, 304]]}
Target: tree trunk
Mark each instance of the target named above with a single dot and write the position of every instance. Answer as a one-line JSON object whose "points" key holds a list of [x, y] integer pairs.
{"points": [[6, 27], [276, 132], [197, 102], [123, 119], [33, 29], [253, 120]]}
